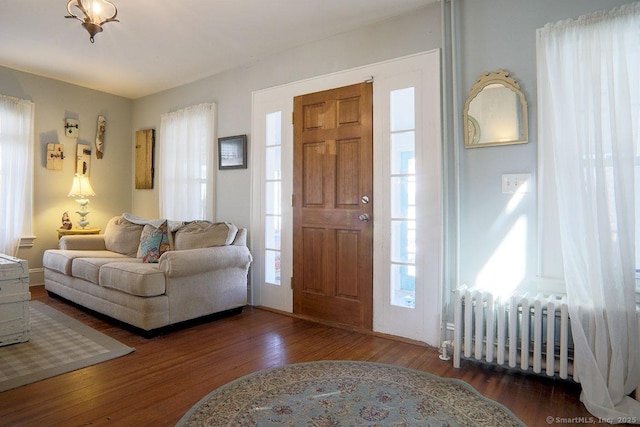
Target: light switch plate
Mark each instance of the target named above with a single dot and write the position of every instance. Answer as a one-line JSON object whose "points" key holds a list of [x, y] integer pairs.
{"points": [[516, 183]]}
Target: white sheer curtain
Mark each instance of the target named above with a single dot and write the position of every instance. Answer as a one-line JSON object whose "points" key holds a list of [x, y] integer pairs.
{"points": [[187, 187], [16, 170], [589, 114]]}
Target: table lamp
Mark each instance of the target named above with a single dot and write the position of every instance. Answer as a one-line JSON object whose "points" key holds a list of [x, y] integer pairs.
{"points": [[81, 188]]}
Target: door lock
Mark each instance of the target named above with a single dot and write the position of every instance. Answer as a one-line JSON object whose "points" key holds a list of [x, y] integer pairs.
{"points": [[365, 199]]}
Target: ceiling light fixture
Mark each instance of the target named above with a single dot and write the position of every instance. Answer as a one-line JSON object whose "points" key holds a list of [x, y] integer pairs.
{"points": [[96, 13]]}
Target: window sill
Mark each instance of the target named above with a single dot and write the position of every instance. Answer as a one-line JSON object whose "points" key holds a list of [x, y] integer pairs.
{"points": [[27, 241]]}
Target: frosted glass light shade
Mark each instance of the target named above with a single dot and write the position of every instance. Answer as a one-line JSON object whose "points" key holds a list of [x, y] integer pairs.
{"points": [[81, 187]]}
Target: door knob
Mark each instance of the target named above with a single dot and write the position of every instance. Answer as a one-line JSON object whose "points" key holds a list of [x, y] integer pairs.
{"points": [[364, 217]]}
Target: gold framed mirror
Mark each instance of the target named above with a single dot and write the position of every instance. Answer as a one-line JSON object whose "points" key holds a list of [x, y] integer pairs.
{"points": [[495, 112]]}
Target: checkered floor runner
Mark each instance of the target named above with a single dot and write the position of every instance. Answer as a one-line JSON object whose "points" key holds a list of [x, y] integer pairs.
{"points": [[57, 344]]}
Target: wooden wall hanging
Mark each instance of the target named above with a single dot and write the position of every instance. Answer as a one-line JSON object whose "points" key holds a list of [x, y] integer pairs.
{"points": [[145, 144], [55, 155], [83, 159], [102, 125]]}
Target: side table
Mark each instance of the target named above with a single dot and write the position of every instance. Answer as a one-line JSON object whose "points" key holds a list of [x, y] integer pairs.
{"points": [[76, 231]]}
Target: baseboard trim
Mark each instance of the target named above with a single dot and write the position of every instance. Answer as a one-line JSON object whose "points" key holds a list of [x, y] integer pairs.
{"points": [[347, 327], [36, 276]]}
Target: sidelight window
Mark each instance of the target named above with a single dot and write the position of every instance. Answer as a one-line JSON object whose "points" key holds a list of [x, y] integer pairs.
{"points": [[273, 197], [403, 197]]}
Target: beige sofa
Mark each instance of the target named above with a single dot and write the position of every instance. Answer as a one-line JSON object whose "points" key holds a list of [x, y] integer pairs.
{"points": [[152, 274]]}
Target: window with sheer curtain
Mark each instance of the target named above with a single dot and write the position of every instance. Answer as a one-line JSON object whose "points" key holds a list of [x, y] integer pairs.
{"points": [[186, 181], [589, 140], [16, 171]]}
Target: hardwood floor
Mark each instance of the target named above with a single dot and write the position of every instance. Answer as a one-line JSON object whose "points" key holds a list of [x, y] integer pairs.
{"points": [[165, 376]]}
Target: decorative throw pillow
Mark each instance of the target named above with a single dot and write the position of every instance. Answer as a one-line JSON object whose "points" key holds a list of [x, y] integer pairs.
{"points": [[122, 236], [154, 241], [204, 234]]}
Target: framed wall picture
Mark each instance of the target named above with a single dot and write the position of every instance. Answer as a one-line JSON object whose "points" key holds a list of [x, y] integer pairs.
{"points": [[232, 152]]}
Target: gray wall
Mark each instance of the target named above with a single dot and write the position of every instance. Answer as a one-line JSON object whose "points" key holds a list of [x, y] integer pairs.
{"points": [[502, 34], [491, 34], [110, 176], [231, 91]]}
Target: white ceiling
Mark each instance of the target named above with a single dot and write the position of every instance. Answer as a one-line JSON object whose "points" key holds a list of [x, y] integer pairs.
{"points": [[159, 44]]}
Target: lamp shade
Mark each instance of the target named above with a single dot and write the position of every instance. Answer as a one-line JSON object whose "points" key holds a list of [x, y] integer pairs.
{"points": [[81, 187]]}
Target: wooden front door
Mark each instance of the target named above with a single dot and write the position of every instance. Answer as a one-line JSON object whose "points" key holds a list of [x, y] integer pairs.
{"points": [[333, 206]]}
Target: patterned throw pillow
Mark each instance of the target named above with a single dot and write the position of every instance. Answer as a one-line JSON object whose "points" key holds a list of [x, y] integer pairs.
{"points": [[154, 242]]}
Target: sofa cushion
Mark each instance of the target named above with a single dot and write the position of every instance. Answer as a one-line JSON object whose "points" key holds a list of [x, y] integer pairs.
{"points": [[141, 279], [61, 260], [154, 241], [89, 268], [82, 242], [204, 234], [122, 236]]}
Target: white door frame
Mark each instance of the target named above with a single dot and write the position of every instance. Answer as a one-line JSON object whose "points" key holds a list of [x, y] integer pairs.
{"points": [[424, 69]]}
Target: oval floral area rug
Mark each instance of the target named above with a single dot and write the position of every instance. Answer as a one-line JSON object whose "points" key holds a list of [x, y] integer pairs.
{"points": [[346, 393]]}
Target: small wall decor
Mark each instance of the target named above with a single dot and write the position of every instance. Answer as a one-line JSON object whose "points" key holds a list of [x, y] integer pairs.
{"points": [[66, 222], [145, 143], [55, 155], [71, 128], [232, 152], [102, 124], [83, 159]]}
